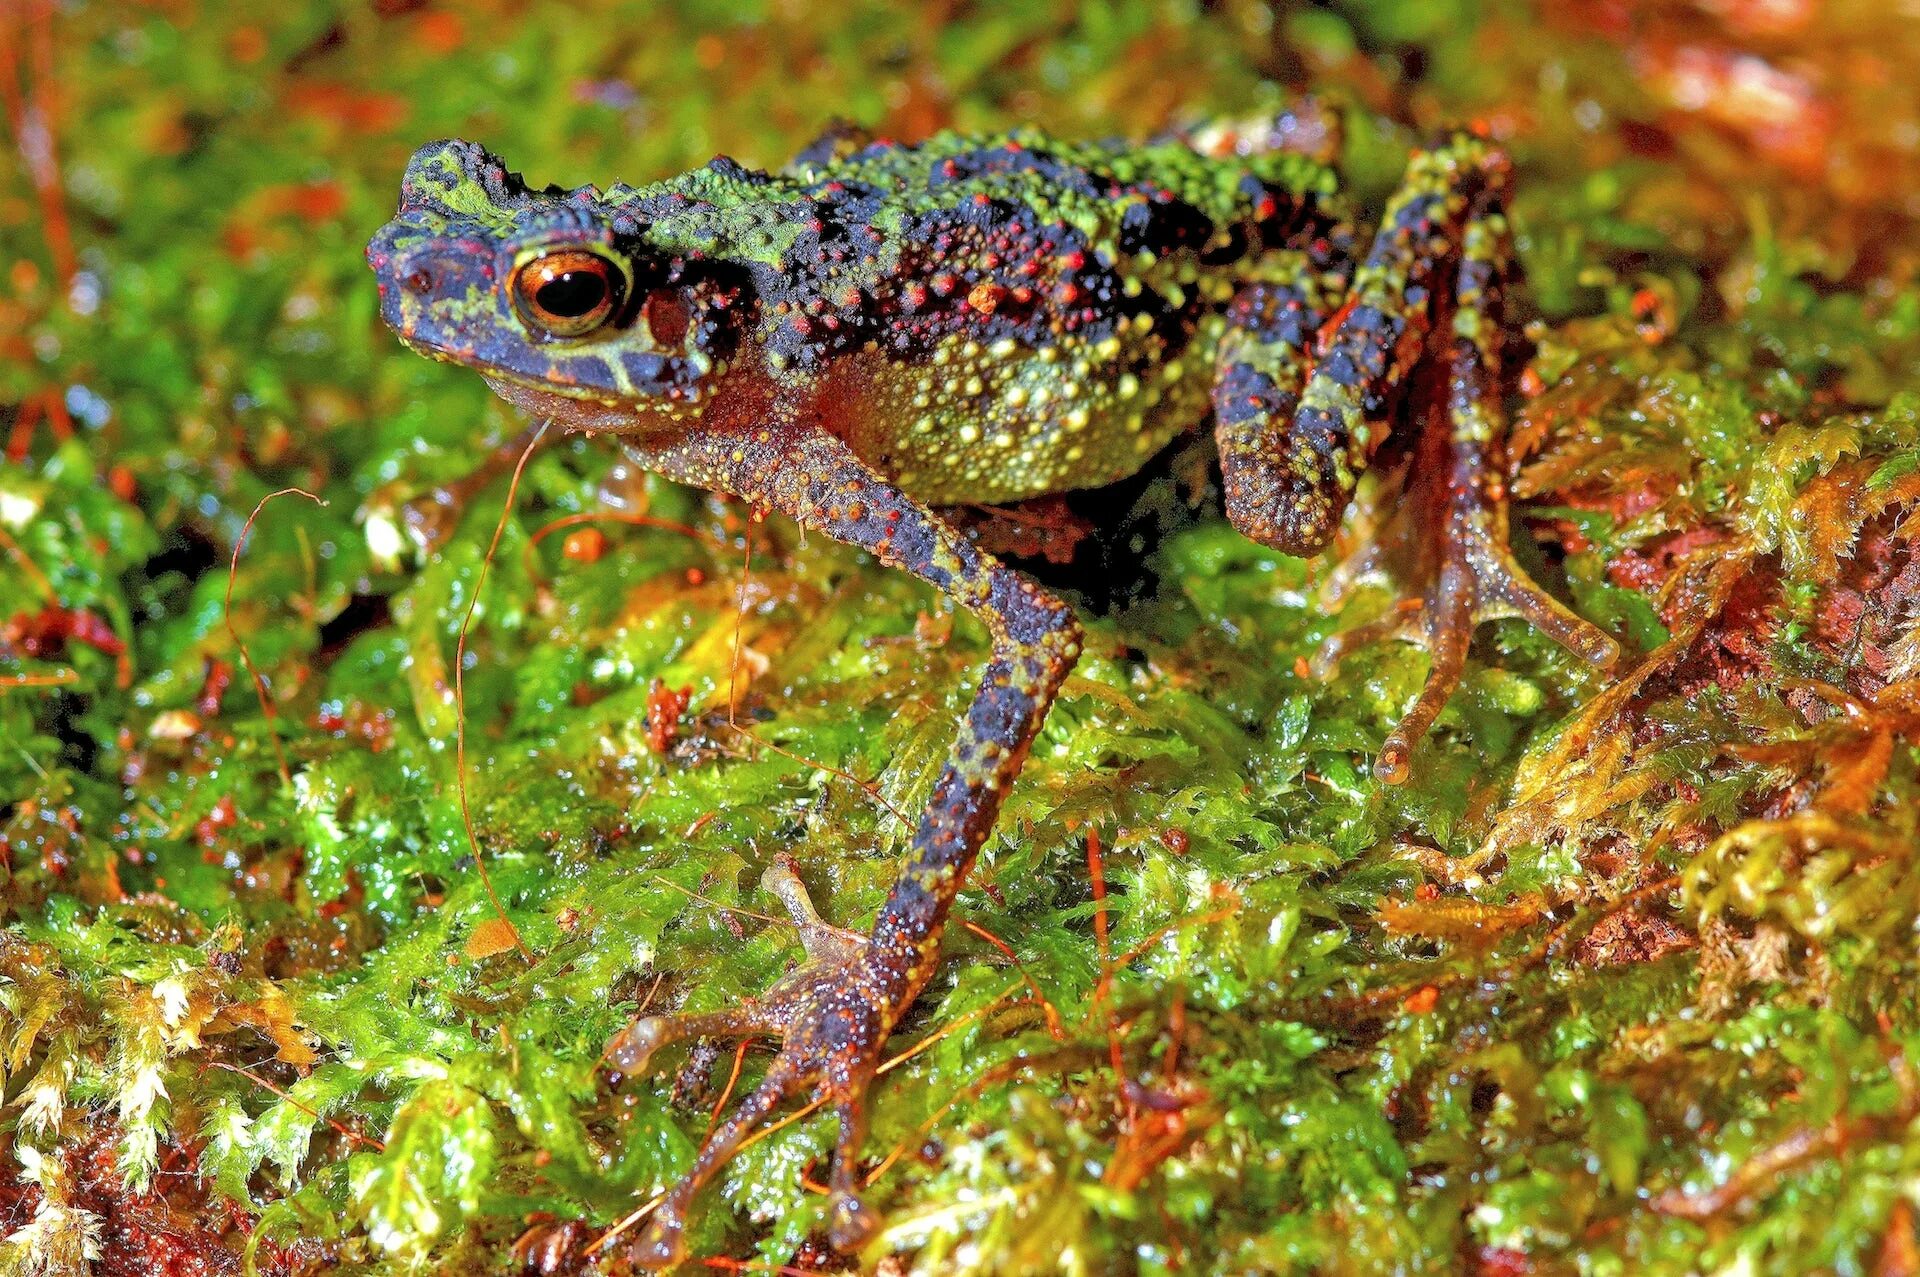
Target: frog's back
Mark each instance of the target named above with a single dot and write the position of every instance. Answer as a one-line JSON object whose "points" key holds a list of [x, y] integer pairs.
{"points": [[1022, 315]]}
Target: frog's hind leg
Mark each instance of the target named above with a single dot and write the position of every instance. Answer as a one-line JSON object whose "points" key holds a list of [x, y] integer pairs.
{"points": [[1449, 528], [1303, 405]]}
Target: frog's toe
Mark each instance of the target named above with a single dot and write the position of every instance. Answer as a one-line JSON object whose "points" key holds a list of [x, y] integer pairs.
{"points": [[662, 1243], [832, 1021], [633, 1048], [1473, 578], [852, 1223]]}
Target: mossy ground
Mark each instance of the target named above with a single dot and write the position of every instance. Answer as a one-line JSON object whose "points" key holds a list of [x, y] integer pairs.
{"points": [[1622, 981]]}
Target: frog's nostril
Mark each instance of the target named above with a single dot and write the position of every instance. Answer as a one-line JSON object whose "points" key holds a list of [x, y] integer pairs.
{"points": [[419, 280]]}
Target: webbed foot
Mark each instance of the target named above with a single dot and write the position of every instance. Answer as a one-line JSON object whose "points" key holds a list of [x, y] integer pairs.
{"points": [[832, 1017]]}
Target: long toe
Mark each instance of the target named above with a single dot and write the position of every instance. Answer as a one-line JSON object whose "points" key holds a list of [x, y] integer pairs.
{"points": [[662, 1245], [852, 1224]]}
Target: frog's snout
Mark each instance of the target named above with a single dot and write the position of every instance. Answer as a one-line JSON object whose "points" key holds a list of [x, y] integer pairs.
{"points": [[419, 281]]}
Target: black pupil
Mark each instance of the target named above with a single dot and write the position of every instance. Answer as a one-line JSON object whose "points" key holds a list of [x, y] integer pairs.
{"points": [[572, 294]]}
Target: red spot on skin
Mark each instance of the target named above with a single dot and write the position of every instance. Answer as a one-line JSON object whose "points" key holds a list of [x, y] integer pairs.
{"points": [[944, 284], [1422, 1001], [1328, 329], [915, 294]]}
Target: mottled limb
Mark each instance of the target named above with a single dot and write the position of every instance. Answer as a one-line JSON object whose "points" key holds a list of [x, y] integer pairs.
{"points": [[1449, 529], [834, 1014], [1379, 334], [1263, 363], [1302, 404]]}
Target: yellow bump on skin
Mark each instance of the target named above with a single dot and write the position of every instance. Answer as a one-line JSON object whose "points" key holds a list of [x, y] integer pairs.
{"points": [[1143, 322], [970, 351], [1004, 348], [1016, 396], [973, 386], [1175, 371], [1049, 354], [924, 425], [969, 433], [939, 356], [1040, 396], [1130, 286], [1076, 452], [1128, 386], [1003, 440], [1077, 419], [1069, 389]]}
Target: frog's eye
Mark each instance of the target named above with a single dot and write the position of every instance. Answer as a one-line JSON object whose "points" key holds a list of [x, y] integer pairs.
{"points": [[568, 293]]}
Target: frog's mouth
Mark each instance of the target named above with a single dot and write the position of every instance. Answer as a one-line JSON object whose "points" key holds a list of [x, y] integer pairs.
{"points": [[591, 412]]}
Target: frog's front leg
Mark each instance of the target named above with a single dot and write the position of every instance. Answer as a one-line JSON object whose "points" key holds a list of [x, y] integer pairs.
{"points": [[1417, 336], [834, 1015]]}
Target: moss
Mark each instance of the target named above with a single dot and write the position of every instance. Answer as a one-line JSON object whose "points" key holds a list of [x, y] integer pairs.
{"points": [[1621, 981]]}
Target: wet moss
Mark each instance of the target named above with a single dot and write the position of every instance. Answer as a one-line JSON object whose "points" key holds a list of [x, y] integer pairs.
{"points": [[1622, 980]]}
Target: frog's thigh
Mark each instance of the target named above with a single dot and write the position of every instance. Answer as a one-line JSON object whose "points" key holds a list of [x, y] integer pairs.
{"points": [[1344, 411], [1270, 474]]}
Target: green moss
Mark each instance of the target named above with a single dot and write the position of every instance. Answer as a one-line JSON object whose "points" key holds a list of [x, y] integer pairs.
{"points": [[1621, 981]]}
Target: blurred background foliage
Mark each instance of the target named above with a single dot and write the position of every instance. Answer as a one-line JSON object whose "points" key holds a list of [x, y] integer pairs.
{"points": [[1622, 981]]}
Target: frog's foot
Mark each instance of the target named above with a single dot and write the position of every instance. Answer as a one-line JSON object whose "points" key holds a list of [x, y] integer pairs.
{"points": [[1447, 541], [832, 1017]]}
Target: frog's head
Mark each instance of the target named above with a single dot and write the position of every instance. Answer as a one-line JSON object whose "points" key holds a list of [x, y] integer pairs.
{"points": [[556, 297]]}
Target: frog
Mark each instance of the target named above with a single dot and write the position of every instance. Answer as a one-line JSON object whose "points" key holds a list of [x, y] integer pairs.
{"points": [[881, 331]]}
